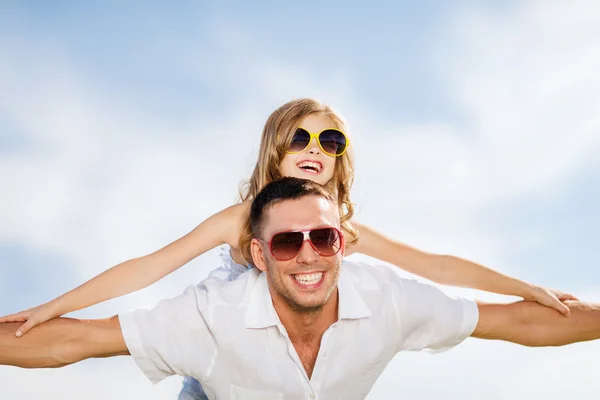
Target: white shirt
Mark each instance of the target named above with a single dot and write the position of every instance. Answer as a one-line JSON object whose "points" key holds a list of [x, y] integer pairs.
{"points": [[228, 336]]}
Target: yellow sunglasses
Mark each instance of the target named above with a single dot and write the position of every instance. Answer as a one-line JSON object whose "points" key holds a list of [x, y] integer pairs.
{"points": [[333, 142]]}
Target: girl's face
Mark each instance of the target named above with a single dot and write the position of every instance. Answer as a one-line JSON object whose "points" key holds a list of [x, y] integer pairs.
{"points": [[311, 163]]}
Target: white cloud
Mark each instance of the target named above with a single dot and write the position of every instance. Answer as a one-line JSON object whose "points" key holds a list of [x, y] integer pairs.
{"points": [[528, 82], [496, 371], [97, 380]]}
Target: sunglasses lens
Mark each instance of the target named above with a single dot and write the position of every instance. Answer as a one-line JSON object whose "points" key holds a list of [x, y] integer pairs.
{"points": [[333, 141], [286, 245], [326, 241], [300, 140]]}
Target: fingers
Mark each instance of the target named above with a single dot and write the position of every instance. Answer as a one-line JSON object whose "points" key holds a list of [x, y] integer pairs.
{"points": [[562, 308], [13, 318], [567, 296]]}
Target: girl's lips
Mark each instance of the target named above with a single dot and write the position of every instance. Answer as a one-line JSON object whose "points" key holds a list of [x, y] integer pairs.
{"points": [[310, 171], [310, 166]]}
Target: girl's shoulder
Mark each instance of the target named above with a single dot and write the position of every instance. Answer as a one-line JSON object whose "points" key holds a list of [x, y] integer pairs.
{"points": [[231, 221], [238, 210], [233, 215]]}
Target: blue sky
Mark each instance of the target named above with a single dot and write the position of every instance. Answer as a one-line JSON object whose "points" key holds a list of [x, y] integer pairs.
{"points": [[475, 128]]}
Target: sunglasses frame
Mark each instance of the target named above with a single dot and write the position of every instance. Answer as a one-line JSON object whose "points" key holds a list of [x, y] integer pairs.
{"points": [[316, 136], [306, 237]]}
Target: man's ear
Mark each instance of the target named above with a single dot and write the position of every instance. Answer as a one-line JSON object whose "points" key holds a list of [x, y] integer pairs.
{"points": [[258, 256]]}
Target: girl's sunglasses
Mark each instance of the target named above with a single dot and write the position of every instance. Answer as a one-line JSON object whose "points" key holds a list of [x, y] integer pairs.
{"points": [[286, 245], [333, 142]]}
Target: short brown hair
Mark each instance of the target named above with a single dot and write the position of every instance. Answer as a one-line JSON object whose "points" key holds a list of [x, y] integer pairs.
{"points": [[281, 190]]}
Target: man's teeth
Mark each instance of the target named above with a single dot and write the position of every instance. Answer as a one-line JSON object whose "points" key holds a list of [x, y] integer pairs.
{"points": [[309, 279], [311, 165]]}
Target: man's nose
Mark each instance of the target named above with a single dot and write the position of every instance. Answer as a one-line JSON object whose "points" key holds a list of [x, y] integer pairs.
{"points": [[307, 254]]}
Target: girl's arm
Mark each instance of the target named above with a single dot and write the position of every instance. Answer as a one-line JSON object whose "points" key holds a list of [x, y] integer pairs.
{"points": [[138, 273], [450, 270]]}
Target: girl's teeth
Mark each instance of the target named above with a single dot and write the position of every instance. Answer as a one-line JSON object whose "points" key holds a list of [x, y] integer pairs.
{"points": [[309, 165]]}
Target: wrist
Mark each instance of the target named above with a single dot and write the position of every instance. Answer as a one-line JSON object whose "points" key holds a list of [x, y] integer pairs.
{"points": [[525, 290], [55, 307]]}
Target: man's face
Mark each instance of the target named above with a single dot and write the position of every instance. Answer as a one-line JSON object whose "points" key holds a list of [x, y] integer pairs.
{"points": [[307, 281]]}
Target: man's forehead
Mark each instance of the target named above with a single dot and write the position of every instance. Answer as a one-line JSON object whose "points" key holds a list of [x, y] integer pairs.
{"points": [[303, 213]]}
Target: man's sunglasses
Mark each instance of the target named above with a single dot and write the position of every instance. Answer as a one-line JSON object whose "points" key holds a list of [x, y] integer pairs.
{"points": [[286, 245], [333, 142]]}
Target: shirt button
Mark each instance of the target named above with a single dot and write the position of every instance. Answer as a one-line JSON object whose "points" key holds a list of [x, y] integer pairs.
{"points": [[312, 395]]}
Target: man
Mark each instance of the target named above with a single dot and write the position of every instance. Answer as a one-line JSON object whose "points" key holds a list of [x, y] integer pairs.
{"points": [[301, 325]]}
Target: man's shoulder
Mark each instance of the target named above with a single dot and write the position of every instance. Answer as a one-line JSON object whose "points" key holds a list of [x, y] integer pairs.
{"points": [[229, 292], [384, 279], [368, 275]]}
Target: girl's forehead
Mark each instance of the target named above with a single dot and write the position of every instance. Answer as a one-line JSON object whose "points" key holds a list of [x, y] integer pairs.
{"points": [[317, 122]]}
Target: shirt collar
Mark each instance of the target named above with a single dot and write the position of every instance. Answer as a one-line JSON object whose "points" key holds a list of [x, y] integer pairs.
{"points": [[262, 314]]}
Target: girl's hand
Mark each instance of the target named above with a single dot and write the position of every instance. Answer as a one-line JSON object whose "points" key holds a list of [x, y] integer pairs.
{"points": [[551, 298], [32, 317]]}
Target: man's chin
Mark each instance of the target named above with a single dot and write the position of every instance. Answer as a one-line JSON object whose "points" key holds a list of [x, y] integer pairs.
{"points": [[307, 307], [304, 302]]}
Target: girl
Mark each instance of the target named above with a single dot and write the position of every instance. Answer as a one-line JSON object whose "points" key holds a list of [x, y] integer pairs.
{"points": [[304, 139]]}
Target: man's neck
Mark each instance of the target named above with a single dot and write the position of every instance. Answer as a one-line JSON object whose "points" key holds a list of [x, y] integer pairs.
{"points": [[306, 328], [307, 325]]}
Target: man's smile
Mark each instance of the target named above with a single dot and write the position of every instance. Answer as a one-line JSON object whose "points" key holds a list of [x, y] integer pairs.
{"points": [[309, 280]]}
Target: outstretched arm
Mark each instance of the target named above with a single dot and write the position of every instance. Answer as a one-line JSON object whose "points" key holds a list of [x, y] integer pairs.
{"points": [[138, 273], [60, 342], [451, 270], [531, 324]]}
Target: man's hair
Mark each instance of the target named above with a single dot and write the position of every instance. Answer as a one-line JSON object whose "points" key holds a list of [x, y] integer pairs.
{"points": [[281, 190]]}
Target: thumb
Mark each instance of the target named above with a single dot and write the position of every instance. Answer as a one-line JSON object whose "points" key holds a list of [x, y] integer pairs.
{"points": [[563, 309], [26, 327]]}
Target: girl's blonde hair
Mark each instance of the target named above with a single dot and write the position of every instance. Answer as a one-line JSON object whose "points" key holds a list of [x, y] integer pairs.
{"points": [[276, 137]]}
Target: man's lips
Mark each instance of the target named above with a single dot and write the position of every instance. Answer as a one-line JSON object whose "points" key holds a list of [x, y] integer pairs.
{"points": [[308, 280]]}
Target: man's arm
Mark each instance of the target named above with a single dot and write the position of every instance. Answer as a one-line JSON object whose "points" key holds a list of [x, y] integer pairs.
{"points": [[60, 342], [531, 324]]}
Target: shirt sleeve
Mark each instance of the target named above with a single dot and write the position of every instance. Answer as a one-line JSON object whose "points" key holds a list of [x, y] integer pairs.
{"points": [[173, 338], [430, 319]]}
